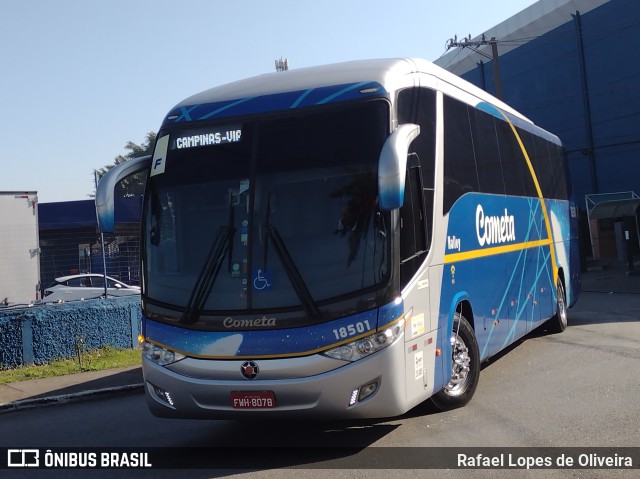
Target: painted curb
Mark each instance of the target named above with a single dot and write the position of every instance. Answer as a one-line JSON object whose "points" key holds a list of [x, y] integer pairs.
{"points": [[23, 404]]}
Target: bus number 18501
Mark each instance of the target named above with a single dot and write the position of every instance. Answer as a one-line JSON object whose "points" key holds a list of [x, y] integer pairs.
{"points": [[352, 329]]}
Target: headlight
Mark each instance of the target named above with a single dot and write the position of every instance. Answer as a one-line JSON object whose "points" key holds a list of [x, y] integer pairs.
{"points": [[159, 355], [363, 347]]}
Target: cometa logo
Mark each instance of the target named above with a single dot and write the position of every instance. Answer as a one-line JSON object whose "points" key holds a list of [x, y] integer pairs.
{"points": [[492, 230], [262, 322]]}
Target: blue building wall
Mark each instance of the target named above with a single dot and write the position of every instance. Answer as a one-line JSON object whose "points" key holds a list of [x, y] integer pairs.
{"points": [[82, 213], [542, 79], [42, 333], [64, 226]]}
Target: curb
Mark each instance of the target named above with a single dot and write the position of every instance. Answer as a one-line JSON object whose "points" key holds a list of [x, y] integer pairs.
{"points": [[23, 404]]}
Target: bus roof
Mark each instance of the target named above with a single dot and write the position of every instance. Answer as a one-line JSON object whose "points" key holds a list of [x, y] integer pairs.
{"points": [[390, 74]]}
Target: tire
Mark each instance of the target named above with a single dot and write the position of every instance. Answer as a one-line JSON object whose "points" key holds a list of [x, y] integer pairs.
{"points": [[558, 322], [465, 367]]}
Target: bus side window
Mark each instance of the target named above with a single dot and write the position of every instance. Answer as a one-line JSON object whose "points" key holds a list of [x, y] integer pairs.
{"points": [[558, 173], [418, 105], [487, 152], [460, 169], [413, 240]]}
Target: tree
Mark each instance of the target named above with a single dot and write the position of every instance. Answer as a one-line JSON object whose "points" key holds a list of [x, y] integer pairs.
{"points": [[132, 185]]}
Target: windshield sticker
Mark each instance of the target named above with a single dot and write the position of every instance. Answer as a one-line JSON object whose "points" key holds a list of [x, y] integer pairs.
{"points": [[262, 279], [244, 232], [244, 186], [159, 156], [235, 269], [208, 137]]}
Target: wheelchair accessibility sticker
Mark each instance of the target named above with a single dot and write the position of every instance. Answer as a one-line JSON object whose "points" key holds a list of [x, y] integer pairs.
{"points": [[262, 279]]}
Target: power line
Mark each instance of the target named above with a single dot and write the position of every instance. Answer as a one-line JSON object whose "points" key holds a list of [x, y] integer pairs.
{"points": [[473, 44]]}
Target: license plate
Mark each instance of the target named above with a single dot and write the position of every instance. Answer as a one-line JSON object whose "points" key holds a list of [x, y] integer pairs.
{"points": [[253, 399]]}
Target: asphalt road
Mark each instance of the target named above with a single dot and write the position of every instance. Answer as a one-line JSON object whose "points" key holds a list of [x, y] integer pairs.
{"points": [[579, 389]]}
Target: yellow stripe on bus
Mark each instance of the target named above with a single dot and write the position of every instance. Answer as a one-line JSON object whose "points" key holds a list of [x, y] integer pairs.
{"points": [[543, 206], [505, 248]]}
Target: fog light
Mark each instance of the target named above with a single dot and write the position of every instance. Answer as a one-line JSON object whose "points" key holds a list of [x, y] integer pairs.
{"points": [[354, 397], [362, 393], [162, 394], [366, 391]]}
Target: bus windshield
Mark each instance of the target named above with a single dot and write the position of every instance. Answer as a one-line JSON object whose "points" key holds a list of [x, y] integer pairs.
{"points": [[268, 214]]}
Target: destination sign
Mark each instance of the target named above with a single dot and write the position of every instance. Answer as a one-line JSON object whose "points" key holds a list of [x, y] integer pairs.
{"points": [[208, 137]]}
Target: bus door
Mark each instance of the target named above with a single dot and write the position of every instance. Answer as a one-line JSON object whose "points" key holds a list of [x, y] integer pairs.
{"points": [[414, 277]]}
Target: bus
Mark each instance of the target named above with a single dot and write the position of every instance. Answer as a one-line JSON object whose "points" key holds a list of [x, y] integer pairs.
{"points": [[344, 241]]}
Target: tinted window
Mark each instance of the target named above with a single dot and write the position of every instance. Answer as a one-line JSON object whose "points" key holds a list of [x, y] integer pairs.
{"points": [[460, 172], [514, 168], [418, 105], [558, 169], [542, 165], [413, 243], [283, 216], [487, 153], [482, 153], [527, 142]]}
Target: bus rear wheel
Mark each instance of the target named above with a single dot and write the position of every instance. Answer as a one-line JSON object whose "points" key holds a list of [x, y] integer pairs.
{"points": [[558, 323], [465, 367]]}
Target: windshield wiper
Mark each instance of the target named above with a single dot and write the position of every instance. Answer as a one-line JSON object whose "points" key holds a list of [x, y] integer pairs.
{"points": [[202, 288], [291, 269]]}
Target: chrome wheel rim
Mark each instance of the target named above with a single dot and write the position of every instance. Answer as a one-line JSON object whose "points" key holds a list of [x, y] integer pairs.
{"points": [[562, 306], [460, 366]]}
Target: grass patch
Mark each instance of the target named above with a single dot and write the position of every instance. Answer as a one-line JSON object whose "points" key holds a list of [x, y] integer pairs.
{"points": [[106, 357]]}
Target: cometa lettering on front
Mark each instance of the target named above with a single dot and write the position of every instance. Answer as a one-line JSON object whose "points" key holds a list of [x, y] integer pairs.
{"points": [[492, 230], [263, 322]]}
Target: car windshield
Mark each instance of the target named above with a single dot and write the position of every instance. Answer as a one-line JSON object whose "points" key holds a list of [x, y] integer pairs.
{"points": [[268, 214]]}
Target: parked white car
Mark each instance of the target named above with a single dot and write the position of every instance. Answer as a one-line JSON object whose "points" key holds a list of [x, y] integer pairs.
{"points": [[85, 286]]}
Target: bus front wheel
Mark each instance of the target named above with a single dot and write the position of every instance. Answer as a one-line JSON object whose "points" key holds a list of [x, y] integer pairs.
{"points": [[465, 367]]}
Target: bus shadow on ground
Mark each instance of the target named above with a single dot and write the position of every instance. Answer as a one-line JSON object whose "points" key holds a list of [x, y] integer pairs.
{"points": [[249, 446], [292, 433], [244, 446]]}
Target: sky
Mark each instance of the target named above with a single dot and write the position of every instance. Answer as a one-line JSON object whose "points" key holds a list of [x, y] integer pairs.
{"points": [[79, 79]]}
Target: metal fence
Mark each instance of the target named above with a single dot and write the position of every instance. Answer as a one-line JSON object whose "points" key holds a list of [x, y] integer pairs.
{"points": [[75, 251]]}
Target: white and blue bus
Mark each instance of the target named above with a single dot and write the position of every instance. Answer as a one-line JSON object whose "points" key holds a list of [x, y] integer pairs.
{"points": [[344, 241]]}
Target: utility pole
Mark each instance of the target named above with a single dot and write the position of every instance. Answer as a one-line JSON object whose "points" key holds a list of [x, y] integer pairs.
{"points": [[589, 151], [473, 45]]}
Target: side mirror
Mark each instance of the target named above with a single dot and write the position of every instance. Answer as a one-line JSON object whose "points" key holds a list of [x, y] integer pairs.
{"points": [[392, 166], [106, 186]]}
